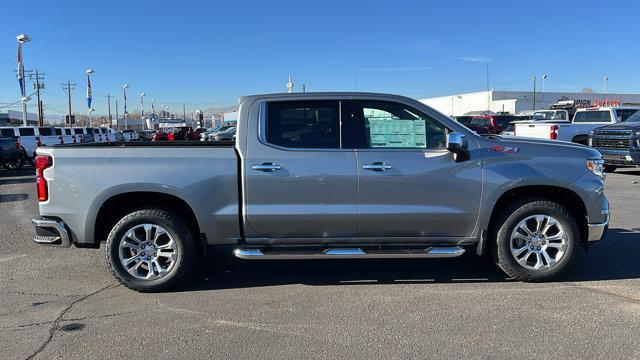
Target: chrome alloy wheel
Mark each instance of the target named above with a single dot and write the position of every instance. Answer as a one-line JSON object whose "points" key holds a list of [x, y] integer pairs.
{"points": [[147, 252], [538, 242]]}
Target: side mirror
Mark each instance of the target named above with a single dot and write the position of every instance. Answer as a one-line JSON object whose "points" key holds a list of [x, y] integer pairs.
{"points": [[458, 145]]}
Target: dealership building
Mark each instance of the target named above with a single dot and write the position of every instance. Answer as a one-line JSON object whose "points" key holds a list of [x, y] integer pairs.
{"points": [[516, 102]]}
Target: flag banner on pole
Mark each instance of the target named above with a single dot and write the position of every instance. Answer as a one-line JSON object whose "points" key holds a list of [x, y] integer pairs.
{"points": [[125, 102], [21, 72], [89, 98]]}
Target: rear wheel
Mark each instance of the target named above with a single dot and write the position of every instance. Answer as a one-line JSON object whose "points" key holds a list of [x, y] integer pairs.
{"points": [[150, 250], [15, 164], [536, 240]]}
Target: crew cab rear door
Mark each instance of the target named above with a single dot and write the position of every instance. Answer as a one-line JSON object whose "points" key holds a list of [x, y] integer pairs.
{"points": [[300, 180], [410, 187]]}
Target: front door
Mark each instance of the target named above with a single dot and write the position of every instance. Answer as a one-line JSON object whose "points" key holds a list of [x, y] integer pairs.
{"points": [[300, 177], [410, 186]]}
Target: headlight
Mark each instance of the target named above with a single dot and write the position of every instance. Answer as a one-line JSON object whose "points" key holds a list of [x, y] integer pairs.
{"points": [[596, 166]]}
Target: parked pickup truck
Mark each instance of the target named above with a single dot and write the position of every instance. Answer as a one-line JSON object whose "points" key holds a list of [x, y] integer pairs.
{"points": [[578, 130], [618, 143], [324, 176]]}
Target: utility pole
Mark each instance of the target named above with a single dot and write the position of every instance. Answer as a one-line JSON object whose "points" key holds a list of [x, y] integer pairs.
{"points": [[488, 93], [69, 87], [184, 113], [117, 128], [39, 86], [109, 107]]}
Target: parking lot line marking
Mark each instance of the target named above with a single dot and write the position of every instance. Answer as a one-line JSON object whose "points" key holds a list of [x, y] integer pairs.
{"points": [[7, 258]]}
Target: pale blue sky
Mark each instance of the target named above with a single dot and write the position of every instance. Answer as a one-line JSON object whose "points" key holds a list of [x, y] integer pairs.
{"points": [[207, 53]]}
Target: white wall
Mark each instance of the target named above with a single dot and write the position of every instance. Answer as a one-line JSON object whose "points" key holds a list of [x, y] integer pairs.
{"points": [[459, 104]]}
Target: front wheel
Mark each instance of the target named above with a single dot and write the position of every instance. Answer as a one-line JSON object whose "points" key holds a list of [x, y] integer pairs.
{"points": [[536, 240], [150, 250]]}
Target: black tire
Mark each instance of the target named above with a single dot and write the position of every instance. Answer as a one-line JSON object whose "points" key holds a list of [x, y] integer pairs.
{"points": [[610, 168], [175, 226], [506, 224], [14, 165]]}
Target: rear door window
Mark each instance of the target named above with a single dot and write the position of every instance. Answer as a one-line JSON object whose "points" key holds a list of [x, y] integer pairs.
{"points": [[27, 132], [592, 116], [303, 124], [7, 133], [58, 131], [67, 131], [45, 131]]}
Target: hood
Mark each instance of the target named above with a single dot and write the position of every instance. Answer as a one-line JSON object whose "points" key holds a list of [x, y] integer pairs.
{"points": [[534, 147], [620, 126]]}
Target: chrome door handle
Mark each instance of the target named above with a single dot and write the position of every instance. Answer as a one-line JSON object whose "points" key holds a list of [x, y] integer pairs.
{"points": [[376, 166], [268, 167]]}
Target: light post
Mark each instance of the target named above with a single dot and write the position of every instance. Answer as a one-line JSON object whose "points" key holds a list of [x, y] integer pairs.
{"points": [[89, 96], [142, 108], [604, 85], [22, 38], [544, 77], [90, 111], [124, 92], [534, 92]]}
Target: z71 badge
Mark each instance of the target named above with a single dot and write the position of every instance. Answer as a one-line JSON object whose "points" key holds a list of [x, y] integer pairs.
{"points": [[504, 149]]}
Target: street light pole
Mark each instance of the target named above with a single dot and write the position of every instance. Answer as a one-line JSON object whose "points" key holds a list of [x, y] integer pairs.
{"points": [[22, 38], [606, 78], [89, 96], [544, 77], [142, 109], [124, 91], [534, 92]]}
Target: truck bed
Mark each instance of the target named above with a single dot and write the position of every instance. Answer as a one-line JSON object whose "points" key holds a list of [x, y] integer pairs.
{"points": [[202, 174]]}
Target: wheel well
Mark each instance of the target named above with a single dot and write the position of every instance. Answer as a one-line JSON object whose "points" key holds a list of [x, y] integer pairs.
{"points": [[566, 197], [116, 207], [581, 139]]}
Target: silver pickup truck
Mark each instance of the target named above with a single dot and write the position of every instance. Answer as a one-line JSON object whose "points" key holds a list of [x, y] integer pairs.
{"points": [[324, 176]]}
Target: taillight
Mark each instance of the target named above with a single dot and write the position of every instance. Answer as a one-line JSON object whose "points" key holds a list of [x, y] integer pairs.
{"points": [[493, 123], [61, 140], [74, 139], [553, 132], [18, 145], [42, 162], [81, 139], [38, 141]]}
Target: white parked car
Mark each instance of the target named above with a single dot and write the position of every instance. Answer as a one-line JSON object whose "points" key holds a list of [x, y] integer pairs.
{"points": [[578, 130]]}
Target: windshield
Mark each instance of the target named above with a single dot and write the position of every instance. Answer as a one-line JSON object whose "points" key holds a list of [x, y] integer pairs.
{"points": [[633, 118], [592, 116], [549, 115]]}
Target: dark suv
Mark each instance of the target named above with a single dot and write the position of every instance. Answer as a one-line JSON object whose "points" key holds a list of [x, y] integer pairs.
{"points": [[619, 143]]}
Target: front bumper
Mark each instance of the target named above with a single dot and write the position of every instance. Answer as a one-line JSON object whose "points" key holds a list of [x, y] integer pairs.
{"points": [[598, 230], [51, 232], [620, 156]]}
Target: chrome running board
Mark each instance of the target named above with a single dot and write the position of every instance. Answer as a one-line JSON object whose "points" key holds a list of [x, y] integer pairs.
{"points": [[349, 253]]}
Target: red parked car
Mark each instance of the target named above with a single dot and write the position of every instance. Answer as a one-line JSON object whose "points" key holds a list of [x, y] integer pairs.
{"points": [[160, 136], [491, 124]]}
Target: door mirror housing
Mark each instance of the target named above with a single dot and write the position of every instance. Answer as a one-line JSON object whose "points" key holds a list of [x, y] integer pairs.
{"points": [[458, 145]]}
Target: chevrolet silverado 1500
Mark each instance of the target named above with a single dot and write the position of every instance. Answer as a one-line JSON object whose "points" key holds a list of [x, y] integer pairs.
{"points": [[324, 176]]}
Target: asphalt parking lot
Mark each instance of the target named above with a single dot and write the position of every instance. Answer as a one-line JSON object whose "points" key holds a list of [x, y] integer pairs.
{"points": [[63, 303]]}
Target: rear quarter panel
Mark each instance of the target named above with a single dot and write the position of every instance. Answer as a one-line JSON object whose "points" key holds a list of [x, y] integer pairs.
{"points": [[83, 178]]}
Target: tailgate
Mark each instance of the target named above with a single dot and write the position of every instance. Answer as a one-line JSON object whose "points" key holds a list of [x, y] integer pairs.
{"points": [[541, 131]]}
